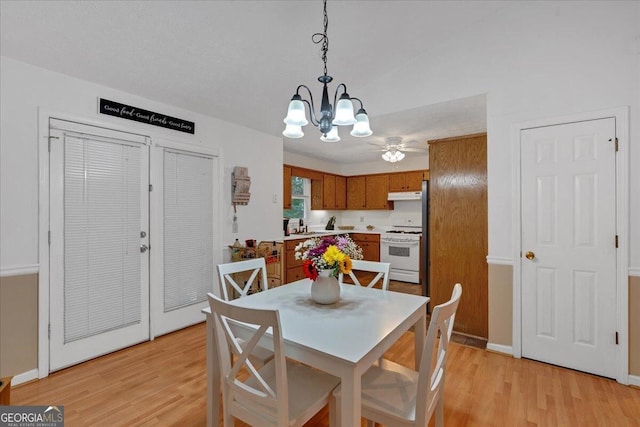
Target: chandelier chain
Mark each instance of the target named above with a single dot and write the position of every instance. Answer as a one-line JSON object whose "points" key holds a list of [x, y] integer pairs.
{"points": [[318, 38]]}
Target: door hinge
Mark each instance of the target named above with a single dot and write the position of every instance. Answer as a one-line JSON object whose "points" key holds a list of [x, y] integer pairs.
{"points": [[49, 330], [615, 142], [150, 187], [616, 241], [616, 337], [49, 236]]}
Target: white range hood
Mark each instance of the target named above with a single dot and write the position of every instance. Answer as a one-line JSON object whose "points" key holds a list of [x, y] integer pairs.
{"points": [[405, 195]]}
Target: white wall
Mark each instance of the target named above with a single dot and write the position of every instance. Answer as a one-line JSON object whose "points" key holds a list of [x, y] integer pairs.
{"points": [[26, 88]]}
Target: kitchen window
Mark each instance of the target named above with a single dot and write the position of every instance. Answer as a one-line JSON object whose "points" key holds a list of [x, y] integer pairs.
{"points": [[300, 198]]}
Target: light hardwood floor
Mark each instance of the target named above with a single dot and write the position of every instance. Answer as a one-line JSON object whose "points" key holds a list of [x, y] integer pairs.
{"points": [[163, 383]]}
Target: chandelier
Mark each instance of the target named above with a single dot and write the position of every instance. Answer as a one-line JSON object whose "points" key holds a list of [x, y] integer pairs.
{"points": [[329, 118]]}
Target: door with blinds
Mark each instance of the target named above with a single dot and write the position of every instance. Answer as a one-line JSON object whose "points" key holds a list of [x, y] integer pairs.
{"points": [[182, 256], [99, 216]]}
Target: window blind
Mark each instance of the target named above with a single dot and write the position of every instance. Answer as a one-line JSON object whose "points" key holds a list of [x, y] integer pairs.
{"points": [[187, 228], [101, 236]]}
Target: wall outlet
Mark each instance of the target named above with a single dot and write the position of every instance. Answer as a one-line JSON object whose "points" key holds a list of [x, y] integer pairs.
{"points": [[274, 199], [361, 219]]}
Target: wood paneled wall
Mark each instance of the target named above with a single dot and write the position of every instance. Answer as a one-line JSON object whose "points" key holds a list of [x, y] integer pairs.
{"points": [[458, 228]]}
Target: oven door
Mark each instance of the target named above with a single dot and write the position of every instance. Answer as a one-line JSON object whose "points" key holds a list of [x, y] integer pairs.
{"points": [[404, 257]]}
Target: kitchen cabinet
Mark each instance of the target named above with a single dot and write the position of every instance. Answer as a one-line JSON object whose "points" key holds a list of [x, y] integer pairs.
{"points": [[335, 192], [317, 194], [292, 266], [329, 191], [356, 192], [370, 244], [406, 181], [376, 192], [286, 192], [341, 192]]}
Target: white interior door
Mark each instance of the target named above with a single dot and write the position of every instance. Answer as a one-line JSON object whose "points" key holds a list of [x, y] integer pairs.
{"points": [[99, 278], [569, 233], [183, 242]]}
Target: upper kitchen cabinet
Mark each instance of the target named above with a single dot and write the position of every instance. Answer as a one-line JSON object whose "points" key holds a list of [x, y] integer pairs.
{"points": [[329, 191], [317, 194], [376, 192], [286, 193], [407, 181], [356, 192], [341, 192]]}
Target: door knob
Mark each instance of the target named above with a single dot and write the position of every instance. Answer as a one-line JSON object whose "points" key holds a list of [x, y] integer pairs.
{"points": [[144, 248], [529, 255]]}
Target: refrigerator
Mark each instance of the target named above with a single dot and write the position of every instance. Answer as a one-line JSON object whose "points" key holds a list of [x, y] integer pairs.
{"points": [[424, 249]]}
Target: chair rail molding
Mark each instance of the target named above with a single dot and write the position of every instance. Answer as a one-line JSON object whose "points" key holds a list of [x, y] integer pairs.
{"points": [[499, 260], [19, 270], [634, 271]]}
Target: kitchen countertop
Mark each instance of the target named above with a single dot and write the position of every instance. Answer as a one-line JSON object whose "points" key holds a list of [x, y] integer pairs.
{"points": [[321, 233]]}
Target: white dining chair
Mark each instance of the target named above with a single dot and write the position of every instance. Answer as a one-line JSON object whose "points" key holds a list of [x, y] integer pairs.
{"points": [[281, 393], [381, 268], [256, 269], [396, 396]]}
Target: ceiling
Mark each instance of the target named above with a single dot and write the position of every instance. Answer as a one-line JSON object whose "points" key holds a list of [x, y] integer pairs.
{"points": [[241, 61]]}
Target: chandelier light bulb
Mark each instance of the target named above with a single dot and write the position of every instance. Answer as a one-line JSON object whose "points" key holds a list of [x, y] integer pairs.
{"points": [[296, 113], [293, 131], [361, 128], [344, 111], [332, 135]]}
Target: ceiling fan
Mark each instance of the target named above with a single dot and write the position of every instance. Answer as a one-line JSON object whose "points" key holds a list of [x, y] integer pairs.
{"points": [[394, 148]]}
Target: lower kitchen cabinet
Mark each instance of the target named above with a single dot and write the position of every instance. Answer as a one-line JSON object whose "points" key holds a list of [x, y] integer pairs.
{"points": [[370, 244], [292, 266]]}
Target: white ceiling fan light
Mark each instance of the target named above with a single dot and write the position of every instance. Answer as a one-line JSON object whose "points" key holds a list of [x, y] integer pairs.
{"points": [[393, 156], [394, 147]]}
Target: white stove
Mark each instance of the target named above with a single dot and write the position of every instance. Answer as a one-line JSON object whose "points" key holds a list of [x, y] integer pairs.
{"points": [[400, 246]]}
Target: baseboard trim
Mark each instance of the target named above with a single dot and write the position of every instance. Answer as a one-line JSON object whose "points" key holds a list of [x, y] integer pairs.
{"points": [[499, 348], [25, 377], [634, 380]]}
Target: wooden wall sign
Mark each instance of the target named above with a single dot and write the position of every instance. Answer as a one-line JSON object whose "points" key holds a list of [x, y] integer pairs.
{"points": [[112, 108]]}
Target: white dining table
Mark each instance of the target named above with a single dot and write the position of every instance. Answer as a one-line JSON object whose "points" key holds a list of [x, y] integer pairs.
{"points": [[343, 339]]}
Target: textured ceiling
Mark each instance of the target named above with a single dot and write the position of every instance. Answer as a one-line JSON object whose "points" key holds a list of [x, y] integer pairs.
{"points": [[241, 61]]}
